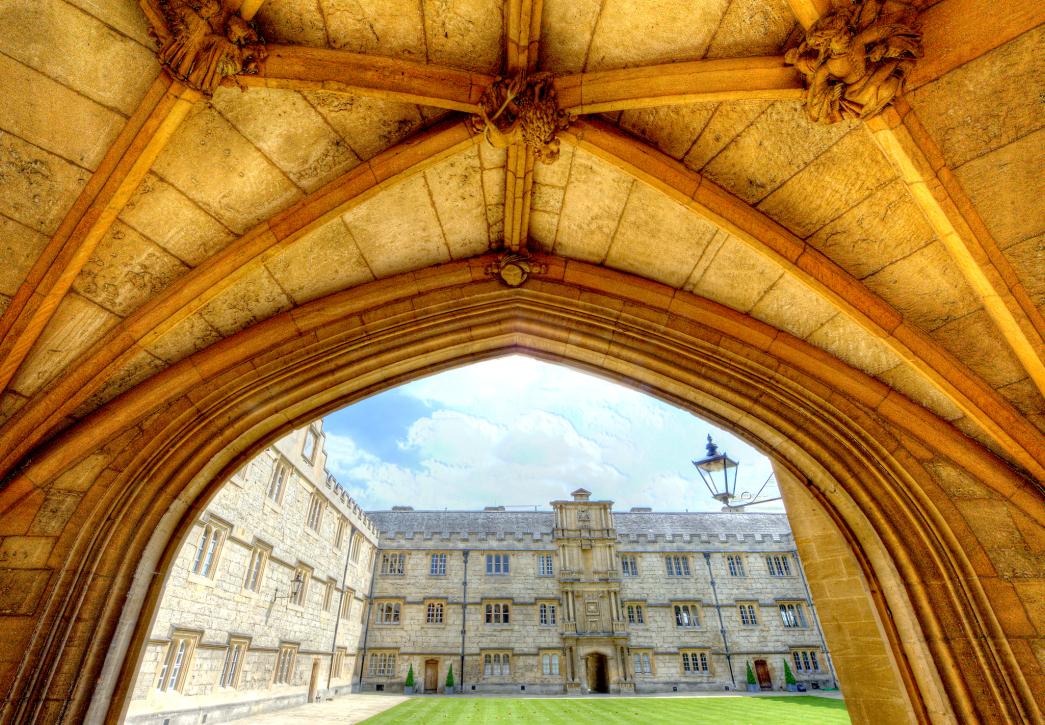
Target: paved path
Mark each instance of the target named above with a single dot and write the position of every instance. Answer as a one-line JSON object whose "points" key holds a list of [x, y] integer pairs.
{"points": [[344, 710]]}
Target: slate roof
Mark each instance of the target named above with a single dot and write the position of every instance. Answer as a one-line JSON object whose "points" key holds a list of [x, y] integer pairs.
{"points": [[437, 523]]}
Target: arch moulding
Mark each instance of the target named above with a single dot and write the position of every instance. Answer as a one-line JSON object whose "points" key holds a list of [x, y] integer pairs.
{"points": [[92, 519]]}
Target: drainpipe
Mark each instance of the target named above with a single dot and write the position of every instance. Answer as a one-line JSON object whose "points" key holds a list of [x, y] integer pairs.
{"points": [[721, 623], [816, 619], [464, 615], [366, 626], [340, 604]]}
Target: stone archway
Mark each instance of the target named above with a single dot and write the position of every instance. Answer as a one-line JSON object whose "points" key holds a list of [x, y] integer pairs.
{"points": [[597, 667], [875, 464]]}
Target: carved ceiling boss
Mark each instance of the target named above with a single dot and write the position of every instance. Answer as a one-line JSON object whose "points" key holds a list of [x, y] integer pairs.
{"points": [[204, 42], [855, 61], [522, 109]]}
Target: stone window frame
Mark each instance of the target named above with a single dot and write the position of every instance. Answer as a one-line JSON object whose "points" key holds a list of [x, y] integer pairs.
{"points": [[748, 613], [388, 612], [498, 563], [339, 532], [347, 598], [255, 574], [695, 662], [311, 436], [435, 612], [356, 543], [545, 565], [208, 548], [635, 613], [806, 660], [393, 563], [548, 613], [497, 612], [278, 484], [317, 504], [680, 610], [643, 656], [437, 563], [177, 660], [779, 565], [792, 614], [629, 561], [382, 663], [232, 667], [328, 594], [337, 667], [550, 662], [735, 565], [301, 599], [286, 658], [677, 565], [496, 663]]}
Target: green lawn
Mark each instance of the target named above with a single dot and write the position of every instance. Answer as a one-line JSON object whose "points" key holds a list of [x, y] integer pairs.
{"points": [[798, 710]]}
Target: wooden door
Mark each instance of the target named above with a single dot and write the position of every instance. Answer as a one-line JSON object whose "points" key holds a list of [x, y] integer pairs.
{"points": [[765, 682], [431, 675]]}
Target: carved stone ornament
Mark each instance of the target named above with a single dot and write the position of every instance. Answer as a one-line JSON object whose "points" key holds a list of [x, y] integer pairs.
{"points": [[522, 109], [205, 42], [855, 61], [514, 268]]}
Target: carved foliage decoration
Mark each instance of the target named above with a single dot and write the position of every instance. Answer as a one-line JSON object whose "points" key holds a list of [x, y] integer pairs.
{"points": [[203, 42], [514, 268], [525, 110], [855, 60]]}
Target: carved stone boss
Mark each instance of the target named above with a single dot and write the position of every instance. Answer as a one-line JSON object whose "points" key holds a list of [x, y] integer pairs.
{"points": [[523, 109], [205, 42], [855, 61]]}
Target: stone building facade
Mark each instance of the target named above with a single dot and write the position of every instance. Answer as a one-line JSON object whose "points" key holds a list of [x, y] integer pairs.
{"points": [[266, 599], [582, 599]]}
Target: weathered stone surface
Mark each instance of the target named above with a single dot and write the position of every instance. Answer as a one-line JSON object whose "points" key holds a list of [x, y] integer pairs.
{"points": [[557, 174], [459, 203], [566, 30], [329, 248], [975, 341], [191, 334], [292, 22], [591, 208], [166, 216], [672, 129], [391, 28], [368, 125], [547, 198], [737, 277], [727, 121], [141, 366], [125, 270], [1005, 186], [992, 112], [652, 29], [847, 341], [120, 69], [955, 481], [926, 287], [36, 187], [836, 181], [913, 384], [465, 34], [765, 155], [289, 131], [792, 306], [254, 297], [127, 18], [878, 231], [76, 324], [1028, 259], [658, 238], [1024, 396], [398, 230], [54, 117], [19, 248], [239, 194], [752, 27]]}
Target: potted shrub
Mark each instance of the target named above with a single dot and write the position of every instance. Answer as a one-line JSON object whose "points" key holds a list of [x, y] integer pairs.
{"points": [[792, 684], [408, 686], [752, 683], [449, 689]]}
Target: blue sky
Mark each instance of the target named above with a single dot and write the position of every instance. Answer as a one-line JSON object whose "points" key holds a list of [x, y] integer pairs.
{"points": [[519, 432]]}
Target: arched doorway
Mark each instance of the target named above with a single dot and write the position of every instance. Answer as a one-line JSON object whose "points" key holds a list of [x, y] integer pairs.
{"points": [[162, 449], [598, 674]]}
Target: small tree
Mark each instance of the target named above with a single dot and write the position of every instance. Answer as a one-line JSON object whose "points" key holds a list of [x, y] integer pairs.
{"points": [[788, 677], [410, 676], [450, 679], [750, 675]]}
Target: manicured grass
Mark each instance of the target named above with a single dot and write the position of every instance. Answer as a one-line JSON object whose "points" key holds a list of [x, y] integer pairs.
{"points": [[618, 711]]}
